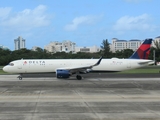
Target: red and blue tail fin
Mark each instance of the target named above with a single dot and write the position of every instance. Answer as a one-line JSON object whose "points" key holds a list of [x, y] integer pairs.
{"points": [[143, 51]]}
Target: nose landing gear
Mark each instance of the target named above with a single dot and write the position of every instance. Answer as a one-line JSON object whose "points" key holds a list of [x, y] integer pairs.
{"points": [[20, 77]]}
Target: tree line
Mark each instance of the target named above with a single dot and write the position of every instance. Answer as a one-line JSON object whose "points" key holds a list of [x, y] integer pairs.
{"points": [[7, 55]]}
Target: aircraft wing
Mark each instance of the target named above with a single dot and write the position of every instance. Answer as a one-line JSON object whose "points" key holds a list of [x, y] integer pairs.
{"points": [[74, 69]]}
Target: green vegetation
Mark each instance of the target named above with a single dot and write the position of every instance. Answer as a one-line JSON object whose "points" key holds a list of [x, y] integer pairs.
{"points": [[2, 72], [6, 55]]}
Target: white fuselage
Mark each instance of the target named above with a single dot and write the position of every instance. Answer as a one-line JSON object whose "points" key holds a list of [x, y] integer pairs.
{"points": [[50, 65]]}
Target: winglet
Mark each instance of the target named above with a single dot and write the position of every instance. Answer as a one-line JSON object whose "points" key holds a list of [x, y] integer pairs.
{"points": [[98, 62], [143, 51]]}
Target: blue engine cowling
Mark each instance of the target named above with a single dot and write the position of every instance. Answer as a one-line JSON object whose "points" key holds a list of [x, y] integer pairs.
{"points": [[62, 73]]}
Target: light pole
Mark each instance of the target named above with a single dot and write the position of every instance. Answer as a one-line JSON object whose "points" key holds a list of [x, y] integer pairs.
{"points": [[154, 57]]}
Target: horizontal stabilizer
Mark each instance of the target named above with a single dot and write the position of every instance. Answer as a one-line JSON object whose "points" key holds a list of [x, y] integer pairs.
{"points": [[149, 62]]}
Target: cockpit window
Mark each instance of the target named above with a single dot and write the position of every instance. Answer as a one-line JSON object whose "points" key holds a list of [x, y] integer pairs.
{"points": [[11, 64]]}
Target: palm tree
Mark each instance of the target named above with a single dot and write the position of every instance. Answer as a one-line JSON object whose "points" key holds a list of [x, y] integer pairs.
{"points": [[105, 48]]}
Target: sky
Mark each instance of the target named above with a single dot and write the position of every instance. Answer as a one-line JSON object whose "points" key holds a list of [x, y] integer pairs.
{"points": [[85, 22]]}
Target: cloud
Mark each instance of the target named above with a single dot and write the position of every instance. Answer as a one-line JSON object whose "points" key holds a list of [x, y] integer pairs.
{"points": [[82, 20], [26, 19], [4, 12], [128, 23]]}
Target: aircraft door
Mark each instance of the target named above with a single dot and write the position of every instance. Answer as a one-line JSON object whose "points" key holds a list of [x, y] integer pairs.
{"points": [[128, 64], [20, 65]]}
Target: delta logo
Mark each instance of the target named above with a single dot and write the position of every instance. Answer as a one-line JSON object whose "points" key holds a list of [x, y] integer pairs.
{"points": [[25, 62]]}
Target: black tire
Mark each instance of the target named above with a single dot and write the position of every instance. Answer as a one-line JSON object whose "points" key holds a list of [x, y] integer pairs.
{"points": [[20, 77], [79, 77]]}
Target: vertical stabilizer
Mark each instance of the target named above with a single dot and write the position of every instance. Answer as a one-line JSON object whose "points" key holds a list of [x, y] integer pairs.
{"points": [[143, 51]]}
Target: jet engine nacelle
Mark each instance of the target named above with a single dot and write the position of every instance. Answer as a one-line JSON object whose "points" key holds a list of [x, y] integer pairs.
{"points": [[62, 73]]}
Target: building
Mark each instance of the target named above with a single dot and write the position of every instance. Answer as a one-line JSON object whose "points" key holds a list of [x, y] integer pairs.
{"points": [[118, 45], [92, 49], [34, 48], [19, 43], [65, 46], [4, 47], [156, 41]]}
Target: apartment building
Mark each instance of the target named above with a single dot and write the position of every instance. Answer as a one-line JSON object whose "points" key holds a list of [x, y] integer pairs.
{"points": [[65, 46], [68, 46], [115, 45], [156, 41], [92, 49], [118, 45]]}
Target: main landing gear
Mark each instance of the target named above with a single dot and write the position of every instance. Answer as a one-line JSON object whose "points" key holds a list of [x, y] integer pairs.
{"points": [[79, 77]]}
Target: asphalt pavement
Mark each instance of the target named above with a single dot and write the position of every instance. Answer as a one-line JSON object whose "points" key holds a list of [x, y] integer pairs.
{"points": [[93, 98]]}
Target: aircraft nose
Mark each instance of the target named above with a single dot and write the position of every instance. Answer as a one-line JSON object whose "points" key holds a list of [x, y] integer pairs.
{"points": [[5, 69]]}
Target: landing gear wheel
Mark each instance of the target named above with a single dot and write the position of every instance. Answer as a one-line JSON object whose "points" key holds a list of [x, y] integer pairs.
{"points": [[79, 77], [20, 77]]}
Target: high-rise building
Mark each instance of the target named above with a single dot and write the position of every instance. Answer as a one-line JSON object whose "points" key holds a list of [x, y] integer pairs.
{"points": [[19, 43]]}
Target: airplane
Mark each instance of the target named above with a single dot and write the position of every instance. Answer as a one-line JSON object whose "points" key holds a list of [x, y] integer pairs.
{"points": [[64, 68]]}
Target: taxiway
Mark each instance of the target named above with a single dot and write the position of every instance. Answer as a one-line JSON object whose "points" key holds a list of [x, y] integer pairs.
{"points": [[96, 98]]}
